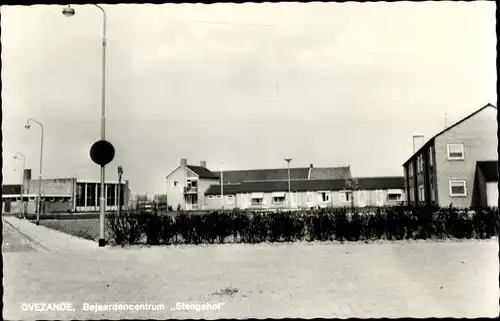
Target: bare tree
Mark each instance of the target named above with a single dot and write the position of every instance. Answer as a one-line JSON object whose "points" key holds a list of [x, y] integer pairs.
{"points": [[351, 185]]}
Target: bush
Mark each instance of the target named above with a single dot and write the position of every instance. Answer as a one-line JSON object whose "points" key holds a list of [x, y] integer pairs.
{"points": [[396, 223]]}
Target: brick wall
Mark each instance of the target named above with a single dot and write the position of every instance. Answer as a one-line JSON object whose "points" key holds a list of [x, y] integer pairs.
{"points": [[478, 134]]}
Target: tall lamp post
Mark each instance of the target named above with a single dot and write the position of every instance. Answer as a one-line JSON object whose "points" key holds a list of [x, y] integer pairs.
{"points": [[288, 160], [16, 156], [222, 183], [39, 202], [69, 12]]}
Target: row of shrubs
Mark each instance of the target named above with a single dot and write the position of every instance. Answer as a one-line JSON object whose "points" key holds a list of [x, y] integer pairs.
{"points": [[397, 223]]}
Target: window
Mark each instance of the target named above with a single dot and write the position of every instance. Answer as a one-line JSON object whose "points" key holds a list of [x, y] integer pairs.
{"points": [[419, 164], [421, 193], [325, 196], [278, 199], [458, 188], [80, 194], [345, 196], [430, 156], [230, 199], [110, 194], [210, 197], [433, 196], [394, 196], [455, 151], [219, 197], [361, 196], [412, 194], [176, 183], [410, 169], [257, 198], [257, 201]]}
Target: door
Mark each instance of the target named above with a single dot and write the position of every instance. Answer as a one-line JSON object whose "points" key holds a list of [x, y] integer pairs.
{"points": [[293, 200], [310, 199], [361, 198], [380, 198]]}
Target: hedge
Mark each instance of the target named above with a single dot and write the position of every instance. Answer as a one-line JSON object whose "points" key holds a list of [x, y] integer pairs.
{"points": [[395, 223]]}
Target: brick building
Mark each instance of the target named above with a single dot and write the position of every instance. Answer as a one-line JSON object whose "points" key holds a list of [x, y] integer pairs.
{"points": [[458, 166], [62, 195]]}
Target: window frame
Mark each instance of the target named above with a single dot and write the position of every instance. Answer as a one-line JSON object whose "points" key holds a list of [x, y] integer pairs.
{"points": [[431, 161], [399, 198], [279, 202], [421, 193], [176, 183], [210, 197], [450, 184], [327, 198], [344, 196], [448, 157], [230, 199]]}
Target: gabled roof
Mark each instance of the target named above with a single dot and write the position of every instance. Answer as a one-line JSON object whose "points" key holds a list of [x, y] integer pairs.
{"points": [[330, 173], [364, 183], [11, 189], [489, 170], [445, 130], [254, 175], [203, 172]]}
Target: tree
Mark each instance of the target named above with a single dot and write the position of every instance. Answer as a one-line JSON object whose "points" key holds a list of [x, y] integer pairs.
{"points": [[351, 185]]}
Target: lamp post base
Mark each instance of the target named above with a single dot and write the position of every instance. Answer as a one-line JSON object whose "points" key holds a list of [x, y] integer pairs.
{"points": [[102, 243], [37, 222]]}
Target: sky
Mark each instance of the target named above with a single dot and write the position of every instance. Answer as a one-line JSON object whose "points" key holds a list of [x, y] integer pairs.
{"points": [[329, 84]]}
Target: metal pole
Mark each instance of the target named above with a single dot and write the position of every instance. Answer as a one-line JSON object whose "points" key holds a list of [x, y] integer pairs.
{"points": [[288, 160], [102, 205], [40, 180], [222, 184], [21, 211], [119, 189], [22, 188]]}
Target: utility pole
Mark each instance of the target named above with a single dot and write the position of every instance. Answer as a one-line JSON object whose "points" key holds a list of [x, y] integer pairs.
{"points": [[120, 173], [222, 183], [288, 160]]}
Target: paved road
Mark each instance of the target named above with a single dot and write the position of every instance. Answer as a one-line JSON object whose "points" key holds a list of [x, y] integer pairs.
{"points": [[390, 279], [14, 241]]}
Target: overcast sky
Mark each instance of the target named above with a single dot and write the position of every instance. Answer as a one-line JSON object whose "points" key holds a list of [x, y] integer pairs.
{"points": [[324, 83]]}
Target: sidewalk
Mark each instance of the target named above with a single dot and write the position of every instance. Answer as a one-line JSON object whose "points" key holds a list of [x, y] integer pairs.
{"points": [[47, 239]]}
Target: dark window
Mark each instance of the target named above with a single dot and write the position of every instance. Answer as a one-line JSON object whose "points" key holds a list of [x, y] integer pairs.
{"points": [[279, 199], [91, 197], [122, 194], [110, 194], [80, 194]]}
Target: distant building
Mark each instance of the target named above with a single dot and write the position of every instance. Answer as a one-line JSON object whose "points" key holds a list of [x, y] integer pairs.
{"points": [[307, 194], [197, 188], [458, 166], [62, 195]]}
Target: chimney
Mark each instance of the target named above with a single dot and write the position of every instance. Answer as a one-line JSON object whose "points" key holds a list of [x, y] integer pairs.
{"points": [[203, 164], [183, 162], [418, 142]]}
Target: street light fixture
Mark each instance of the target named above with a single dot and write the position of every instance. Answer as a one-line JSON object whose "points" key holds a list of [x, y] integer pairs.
{"points": [[22, 181], [69, 12], [38, 206], [288, 160]]}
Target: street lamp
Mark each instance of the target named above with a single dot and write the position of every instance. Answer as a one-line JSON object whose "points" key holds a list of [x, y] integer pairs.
{"points": [[39, 202], [22, 181], [288, 160], [69, 12], [222, 183]]}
